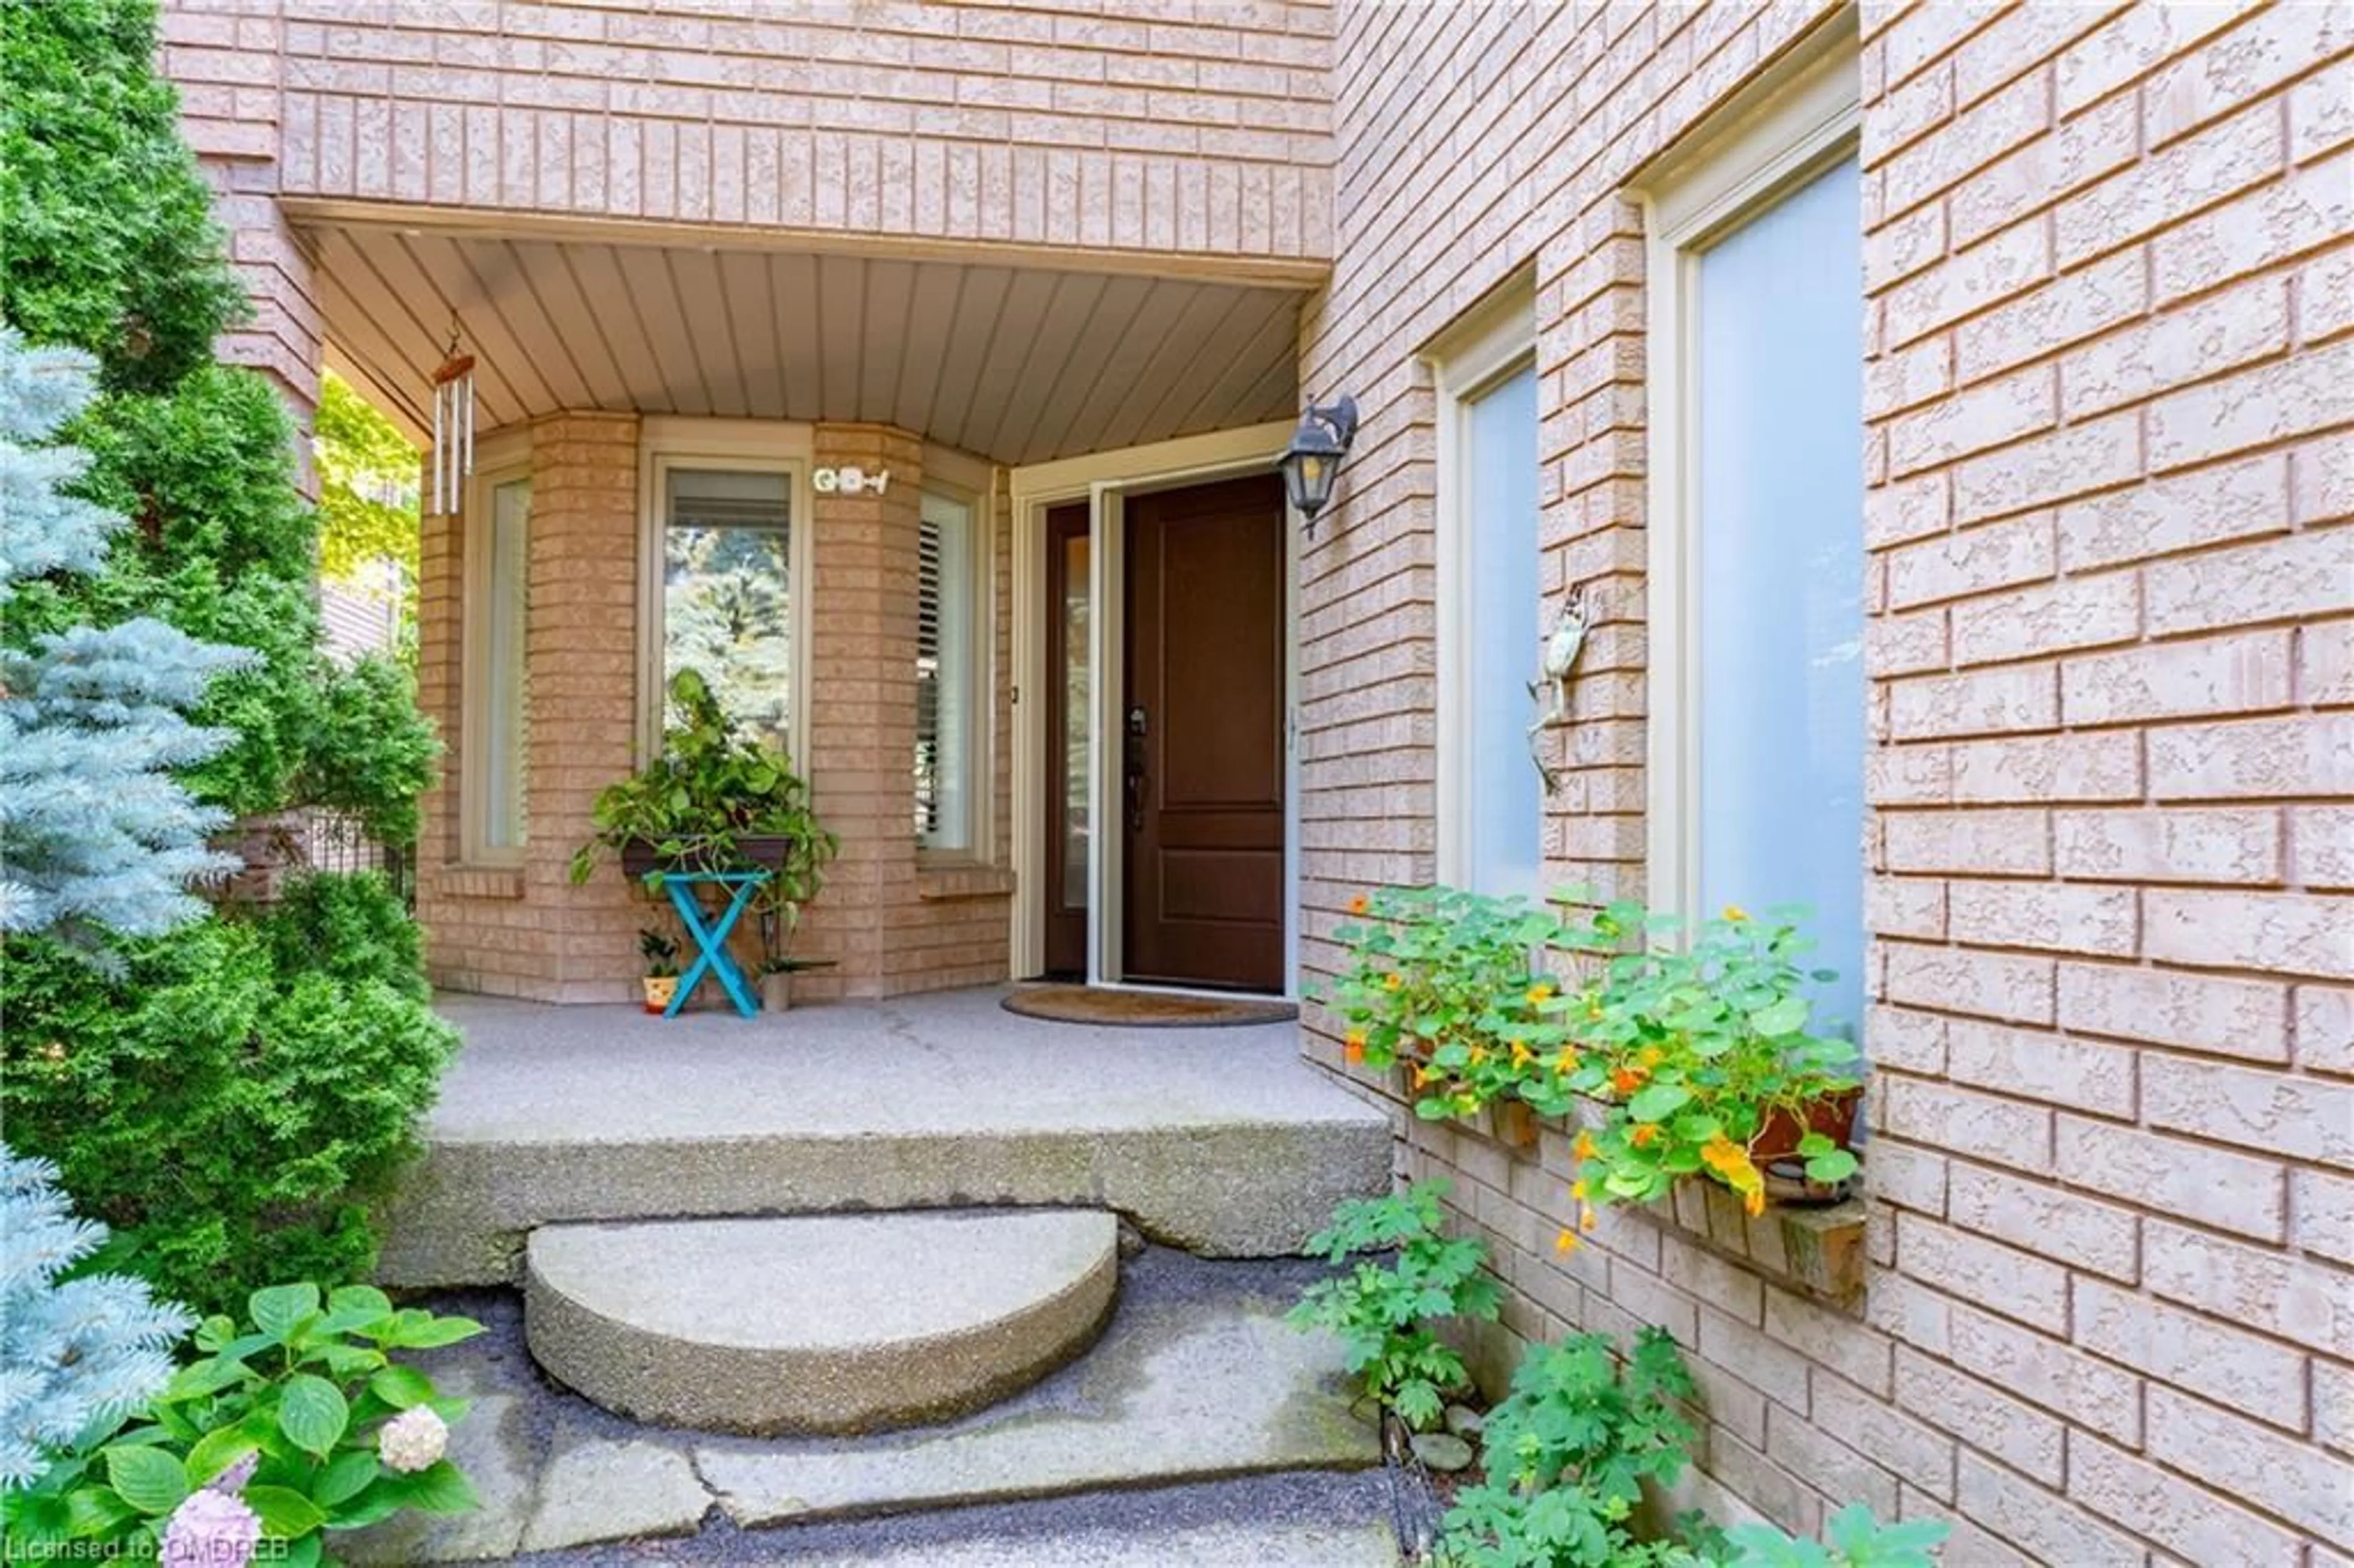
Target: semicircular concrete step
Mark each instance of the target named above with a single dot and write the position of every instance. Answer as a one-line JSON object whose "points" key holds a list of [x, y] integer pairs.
{"points": [[823, 1323]]}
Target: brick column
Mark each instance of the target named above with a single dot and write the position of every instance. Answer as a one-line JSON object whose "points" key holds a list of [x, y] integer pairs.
{"points": [[862, 692], [581, 664]]}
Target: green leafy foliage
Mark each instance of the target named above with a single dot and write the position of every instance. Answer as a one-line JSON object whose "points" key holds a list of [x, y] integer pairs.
{"points": [[1687, 1046], [109, 243], [235, 1100], [301, 1393], [369, 754], [368, 486], [1854, 1538], [1566, 1454], [1382, 1312], [710, 788]]}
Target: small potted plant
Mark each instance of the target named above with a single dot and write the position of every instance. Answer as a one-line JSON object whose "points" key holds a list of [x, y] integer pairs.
{"points": [[712, 800], [660, 981], [778, 911]]}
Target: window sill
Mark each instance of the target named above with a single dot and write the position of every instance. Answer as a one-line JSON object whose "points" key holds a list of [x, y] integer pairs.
{"points": [[479, 882], [961, 879]]}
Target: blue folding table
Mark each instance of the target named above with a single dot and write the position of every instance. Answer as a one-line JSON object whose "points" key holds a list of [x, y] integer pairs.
{"points": [[711, 940]]}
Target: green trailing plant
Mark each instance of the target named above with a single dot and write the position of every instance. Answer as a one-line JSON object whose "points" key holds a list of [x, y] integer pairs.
{"points": [[296, 1424], [660, 953], [1853, 1538], [1690, 1053], [1382, 1311], [1566, 1454], [710, 789]]}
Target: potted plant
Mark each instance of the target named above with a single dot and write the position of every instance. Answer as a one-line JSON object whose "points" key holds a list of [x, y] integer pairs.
{"points": [[1701, 1059], [1690, 1058], [660, 981], [712, 800]]}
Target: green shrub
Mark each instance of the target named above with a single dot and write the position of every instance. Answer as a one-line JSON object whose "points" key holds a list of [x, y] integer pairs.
{"points": [[1382, 1312], [234, 1101], [1566, 1453], [109, 243]]}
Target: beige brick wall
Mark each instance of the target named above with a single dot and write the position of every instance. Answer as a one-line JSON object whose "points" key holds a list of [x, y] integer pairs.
{"points": [[1129, 127], [2108, 391], [890, 920]]}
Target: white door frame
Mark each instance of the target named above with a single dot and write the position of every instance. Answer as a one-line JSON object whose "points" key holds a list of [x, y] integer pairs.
{"points": [[1103, 479]]}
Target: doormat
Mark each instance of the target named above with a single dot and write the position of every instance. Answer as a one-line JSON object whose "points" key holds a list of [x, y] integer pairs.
{"points": [[1143, 1009]]}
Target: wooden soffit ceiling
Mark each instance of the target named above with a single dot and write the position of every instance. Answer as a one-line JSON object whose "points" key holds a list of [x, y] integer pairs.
{"points": [[1018, 361]]}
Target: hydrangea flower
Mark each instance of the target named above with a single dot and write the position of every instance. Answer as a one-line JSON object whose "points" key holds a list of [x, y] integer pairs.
{"points": [[211, 1530], [413, 1440]]}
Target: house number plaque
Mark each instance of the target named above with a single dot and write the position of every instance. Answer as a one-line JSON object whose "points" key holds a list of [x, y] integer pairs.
{"points": [[850, 480]]}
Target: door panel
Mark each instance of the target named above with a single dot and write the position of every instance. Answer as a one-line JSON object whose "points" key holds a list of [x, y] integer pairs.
{"points": [[1203, 752], [1067, 730]]}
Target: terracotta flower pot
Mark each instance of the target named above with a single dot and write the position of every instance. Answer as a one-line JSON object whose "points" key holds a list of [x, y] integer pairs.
{"points": [[1775, 1150], [660, 989]]}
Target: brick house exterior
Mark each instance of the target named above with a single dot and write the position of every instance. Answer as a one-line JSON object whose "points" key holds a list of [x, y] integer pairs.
{"points": [[2108, 391]]}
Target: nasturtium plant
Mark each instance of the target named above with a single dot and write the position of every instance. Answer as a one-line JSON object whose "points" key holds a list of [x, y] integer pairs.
{"points": [[1690, 1053], [288, 1428]]}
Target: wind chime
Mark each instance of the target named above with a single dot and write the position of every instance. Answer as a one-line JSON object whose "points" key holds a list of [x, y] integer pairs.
{"points": [[453, 427]]}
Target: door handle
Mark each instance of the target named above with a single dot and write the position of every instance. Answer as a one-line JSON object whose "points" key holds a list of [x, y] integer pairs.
{"points": [[1138, 785]]}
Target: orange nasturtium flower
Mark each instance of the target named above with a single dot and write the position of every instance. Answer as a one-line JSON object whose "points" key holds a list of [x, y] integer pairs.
{"points": [[1577, 1190], [1565, 1063], [1586, 1218], [1540, 993], [1393, 979], [1358, 904], [1566, 1242], [1521, 1055], [1649, 1056], [1353, 1048], [1626, 1080], [1735, 912], [1644, 1135], [1754, 1201], [1583, 1147], [1422, 1075]]}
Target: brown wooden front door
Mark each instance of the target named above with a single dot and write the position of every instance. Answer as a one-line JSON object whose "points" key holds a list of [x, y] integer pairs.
{"points": [[1202, 747]]}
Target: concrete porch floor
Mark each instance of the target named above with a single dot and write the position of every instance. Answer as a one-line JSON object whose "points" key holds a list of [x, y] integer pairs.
{"points": [[1221, 1141]]}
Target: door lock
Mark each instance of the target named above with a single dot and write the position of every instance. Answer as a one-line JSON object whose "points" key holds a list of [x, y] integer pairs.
{"points": [[1138, 785]]}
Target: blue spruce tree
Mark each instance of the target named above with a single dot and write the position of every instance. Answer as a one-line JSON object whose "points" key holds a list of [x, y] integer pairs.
{"points": [[95, 834], [76, 1356]]}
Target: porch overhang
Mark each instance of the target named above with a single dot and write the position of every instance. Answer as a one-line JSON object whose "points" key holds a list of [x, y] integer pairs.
{"points": [[1017, 354]]}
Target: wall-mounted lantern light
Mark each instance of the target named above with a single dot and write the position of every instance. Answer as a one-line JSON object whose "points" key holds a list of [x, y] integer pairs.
{"points": [[1313, 460]]}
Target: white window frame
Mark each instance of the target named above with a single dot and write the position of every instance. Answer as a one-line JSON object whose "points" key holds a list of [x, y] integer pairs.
{"points": [[1492, 342], [744, 446], [1799, 120], [498, 461], [980, 637]]}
